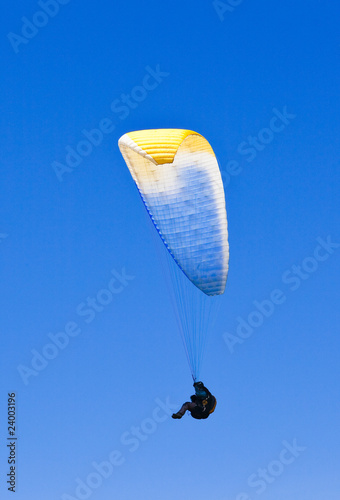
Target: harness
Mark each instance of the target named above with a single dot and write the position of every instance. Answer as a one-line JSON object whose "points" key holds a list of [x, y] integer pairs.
{"points": [[204, 408]]}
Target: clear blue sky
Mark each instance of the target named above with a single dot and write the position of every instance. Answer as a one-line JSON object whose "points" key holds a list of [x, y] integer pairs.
{"points": [[227, 75]]}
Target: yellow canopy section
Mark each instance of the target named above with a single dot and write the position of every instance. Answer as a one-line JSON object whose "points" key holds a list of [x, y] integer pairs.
{"points": [[161, 144]]}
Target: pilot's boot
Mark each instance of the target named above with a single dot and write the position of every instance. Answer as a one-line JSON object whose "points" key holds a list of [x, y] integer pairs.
{"points": [[177, 415]]}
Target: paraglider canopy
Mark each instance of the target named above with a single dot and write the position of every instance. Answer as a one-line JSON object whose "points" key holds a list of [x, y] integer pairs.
{"points": [[177, 175]]}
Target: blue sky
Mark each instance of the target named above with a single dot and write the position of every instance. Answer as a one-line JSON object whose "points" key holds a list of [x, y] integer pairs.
{"points": [[225, 70]]}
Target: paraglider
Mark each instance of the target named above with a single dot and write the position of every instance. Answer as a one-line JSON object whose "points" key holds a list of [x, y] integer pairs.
{"points": [[202, 403], [179, 181]]}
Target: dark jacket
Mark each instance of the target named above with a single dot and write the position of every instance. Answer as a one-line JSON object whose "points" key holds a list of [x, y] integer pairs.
{"points": [[205, 403]]}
